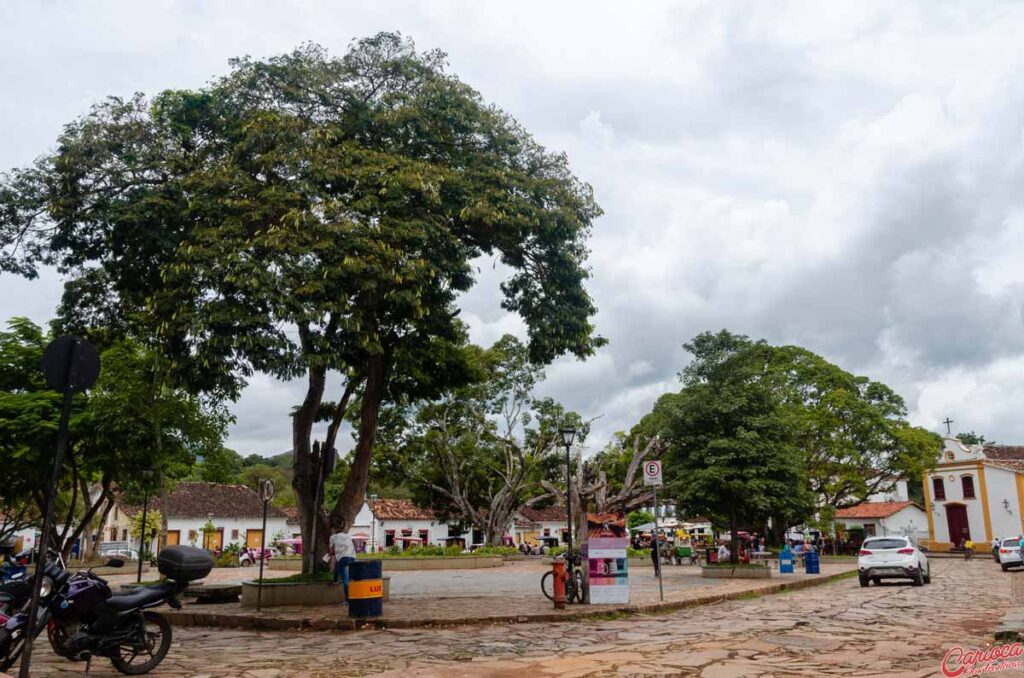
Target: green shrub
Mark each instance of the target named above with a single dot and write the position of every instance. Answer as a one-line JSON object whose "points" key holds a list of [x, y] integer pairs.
{"points": [[637, 553], [226, 560], [496, 551]]}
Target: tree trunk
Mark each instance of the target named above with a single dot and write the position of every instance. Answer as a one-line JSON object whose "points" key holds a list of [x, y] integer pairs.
{"points": [[306, 466], [343, 514]]}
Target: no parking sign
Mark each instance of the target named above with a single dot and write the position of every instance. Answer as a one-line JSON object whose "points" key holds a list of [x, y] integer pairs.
{"points": [[652, 472]]}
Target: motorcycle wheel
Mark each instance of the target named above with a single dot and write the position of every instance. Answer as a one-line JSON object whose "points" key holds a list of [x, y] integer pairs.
{"points": [[156, 631], [10, 649]]}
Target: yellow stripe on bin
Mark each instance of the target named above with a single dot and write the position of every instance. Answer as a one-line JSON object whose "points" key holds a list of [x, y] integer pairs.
{"points": [[367, 588]]}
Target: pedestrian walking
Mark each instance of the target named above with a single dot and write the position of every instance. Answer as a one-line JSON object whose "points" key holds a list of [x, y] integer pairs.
{"points": [[654, 557], [344, 552]]}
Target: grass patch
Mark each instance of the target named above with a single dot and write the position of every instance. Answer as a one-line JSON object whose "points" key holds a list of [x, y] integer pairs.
{"points": [[738, 566], [749, 595], [609, 616]]}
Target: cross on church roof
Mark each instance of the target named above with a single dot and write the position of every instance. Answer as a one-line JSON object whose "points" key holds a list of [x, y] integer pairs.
{"points": [[948, 421]]}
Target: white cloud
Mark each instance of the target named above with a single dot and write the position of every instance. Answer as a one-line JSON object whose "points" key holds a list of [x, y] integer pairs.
{"points": [[845, 176]]}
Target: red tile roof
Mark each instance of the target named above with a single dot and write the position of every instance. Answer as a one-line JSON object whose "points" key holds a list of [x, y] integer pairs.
{"points": [[874, 509], [551, 514], [399, 509], [199, 500], [1005, 452], [1015, 465]]}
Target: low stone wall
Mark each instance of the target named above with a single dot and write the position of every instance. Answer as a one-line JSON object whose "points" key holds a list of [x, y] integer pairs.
{"points": [[735, 572], [280, 593], [405, 564], [129, 568]]}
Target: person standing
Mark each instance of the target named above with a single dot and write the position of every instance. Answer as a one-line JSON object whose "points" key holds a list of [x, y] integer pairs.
{"points": [[344, 552]]}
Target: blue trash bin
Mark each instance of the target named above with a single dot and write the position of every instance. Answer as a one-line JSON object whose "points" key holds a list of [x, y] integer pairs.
{"points": [[365, 589], [812, 563], [786, 562]]}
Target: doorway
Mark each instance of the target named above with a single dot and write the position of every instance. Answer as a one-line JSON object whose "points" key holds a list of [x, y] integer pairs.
{"points": [[956, 519], [212, 541], [253, 538], [173, 538]]}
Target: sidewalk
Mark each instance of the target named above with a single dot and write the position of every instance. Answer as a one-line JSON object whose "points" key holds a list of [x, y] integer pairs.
{"points": [[684, 587]]}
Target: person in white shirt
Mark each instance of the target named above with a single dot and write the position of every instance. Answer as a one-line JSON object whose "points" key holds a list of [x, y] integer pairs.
{"points": [[344, 552], [723, 553]]}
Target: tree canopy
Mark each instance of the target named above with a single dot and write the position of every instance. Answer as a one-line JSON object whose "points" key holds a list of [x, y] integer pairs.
{"points": [[306, 214], [748, 405], [112, 435]]}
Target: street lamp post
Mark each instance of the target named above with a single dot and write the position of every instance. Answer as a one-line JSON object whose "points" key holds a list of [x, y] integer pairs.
{"points": [[147, 476], [568, 435]]}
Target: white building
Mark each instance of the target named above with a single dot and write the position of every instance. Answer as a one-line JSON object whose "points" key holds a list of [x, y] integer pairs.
{"points": [[383, 523], [531, 525], [234, 511], [976, 492], [883, 518]]}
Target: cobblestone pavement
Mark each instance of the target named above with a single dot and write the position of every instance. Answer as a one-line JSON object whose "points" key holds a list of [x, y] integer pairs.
{"points": [[837, 629]]}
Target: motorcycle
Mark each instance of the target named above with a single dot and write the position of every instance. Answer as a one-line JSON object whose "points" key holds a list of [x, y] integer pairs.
{"points": [[83, 619]]}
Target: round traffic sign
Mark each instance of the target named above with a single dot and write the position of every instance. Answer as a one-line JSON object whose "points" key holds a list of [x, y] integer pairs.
{"points": [[267, 490], [70, 364]]}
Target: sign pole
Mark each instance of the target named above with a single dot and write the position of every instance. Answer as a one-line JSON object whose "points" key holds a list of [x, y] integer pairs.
{"points": [[652, 477], [657, 548], [70, 364]]}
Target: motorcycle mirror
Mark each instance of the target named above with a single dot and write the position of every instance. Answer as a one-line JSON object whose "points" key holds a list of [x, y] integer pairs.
{"points": [[115, 562]]}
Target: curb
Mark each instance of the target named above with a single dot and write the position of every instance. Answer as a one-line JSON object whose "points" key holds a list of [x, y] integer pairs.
{"points": [[251, 621]]}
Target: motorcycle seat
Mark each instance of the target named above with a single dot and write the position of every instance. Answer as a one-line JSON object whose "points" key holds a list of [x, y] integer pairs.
{"points": [[144, 596]]}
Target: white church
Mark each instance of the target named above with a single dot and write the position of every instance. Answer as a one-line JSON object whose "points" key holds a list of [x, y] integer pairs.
{"points": [[975, 492]]}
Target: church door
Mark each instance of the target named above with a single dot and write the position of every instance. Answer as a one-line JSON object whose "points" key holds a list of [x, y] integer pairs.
{"points": [[956, 517]]}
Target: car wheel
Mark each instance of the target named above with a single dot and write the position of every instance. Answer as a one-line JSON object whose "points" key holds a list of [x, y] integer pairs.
{"points": [[928, 576], [1006, 568], [877, 580], [917, 579], [863, 580]]}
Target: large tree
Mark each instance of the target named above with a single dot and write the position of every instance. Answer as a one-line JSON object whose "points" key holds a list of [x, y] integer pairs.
{"points": [[730, 452], [480, 453], [852, 432], [305, 216], [112, 433]]}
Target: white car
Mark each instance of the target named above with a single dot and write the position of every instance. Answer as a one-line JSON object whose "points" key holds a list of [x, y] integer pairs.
{"points": [[1009, 553], [892, 558]]}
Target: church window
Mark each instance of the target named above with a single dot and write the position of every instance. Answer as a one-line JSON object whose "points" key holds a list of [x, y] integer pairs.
{"points": [[968, 485], [950, 456], [940, 489]]}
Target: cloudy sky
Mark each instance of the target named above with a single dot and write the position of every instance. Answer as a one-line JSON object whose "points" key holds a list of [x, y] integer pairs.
{"points": [[847, 177]]}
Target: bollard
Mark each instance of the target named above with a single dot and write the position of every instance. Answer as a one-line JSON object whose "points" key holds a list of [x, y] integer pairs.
{"points": [[558, 580]]}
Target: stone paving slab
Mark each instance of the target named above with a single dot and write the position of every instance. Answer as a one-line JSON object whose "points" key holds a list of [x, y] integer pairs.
{"points": [[684, 588], [840, 629]]}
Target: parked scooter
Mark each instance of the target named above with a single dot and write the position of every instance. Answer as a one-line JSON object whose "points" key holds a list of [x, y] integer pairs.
{"points": [[84, 620]]}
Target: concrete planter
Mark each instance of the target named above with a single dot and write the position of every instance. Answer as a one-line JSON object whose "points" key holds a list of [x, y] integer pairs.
{"points": [[749, 572], [129, 568], [278, 593], [405, 564]]}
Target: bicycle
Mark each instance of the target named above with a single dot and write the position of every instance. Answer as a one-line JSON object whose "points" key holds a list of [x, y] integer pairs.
{"points": [[573, 583]]}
